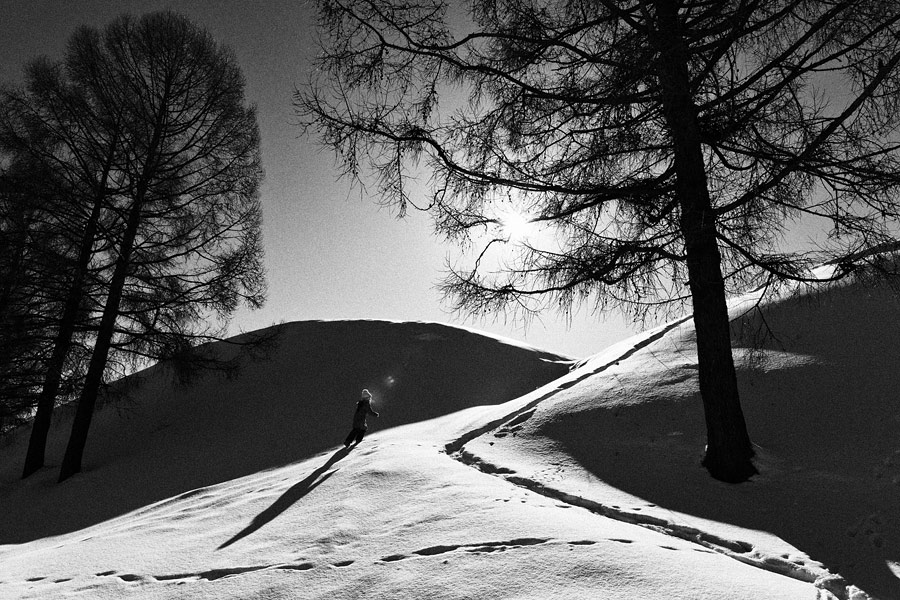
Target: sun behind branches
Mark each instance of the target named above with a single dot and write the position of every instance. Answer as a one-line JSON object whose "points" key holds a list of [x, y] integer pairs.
{"points": [[517, 227]]}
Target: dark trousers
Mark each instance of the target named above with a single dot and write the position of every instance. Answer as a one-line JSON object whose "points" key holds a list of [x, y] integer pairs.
{"points": [[355, 434]]}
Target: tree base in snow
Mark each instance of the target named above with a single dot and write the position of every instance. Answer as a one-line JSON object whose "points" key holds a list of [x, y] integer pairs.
{"points": [[729, 471]]}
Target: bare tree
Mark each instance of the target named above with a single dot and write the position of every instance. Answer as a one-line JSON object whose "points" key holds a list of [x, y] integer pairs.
{"points": [[190, 245], [667, 145], [55, 124], [146, 123], [34, 267]]}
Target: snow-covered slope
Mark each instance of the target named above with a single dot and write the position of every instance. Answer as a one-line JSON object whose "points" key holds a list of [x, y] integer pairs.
{"points": [[587, 487], [820, 386], [289, 401]]}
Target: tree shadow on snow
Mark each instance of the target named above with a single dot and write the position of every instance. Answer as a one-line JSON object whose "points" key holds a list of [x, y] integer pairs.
{"points": [[290, 497], [822, 403]]}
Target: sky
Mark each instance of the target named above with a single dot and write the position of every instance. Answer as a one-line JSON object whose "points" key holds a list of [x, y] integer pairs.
{"points": [[332, 252]]}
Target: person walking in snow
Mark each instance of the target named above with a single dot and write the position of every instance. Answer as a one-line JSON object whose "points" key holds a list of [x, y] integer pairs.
{"points": [[363, 409]]}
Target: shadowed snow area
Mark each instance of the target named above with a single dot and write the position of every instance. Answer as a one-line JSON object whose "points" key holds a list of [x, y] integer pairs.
{"points": [[288, 401], [471, 485], [819, 375]]}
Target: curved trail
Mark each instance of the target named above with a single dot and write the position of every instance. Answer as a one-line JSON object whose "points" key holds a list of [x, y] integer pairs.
{"points": [[519, 415], [830, 585]]}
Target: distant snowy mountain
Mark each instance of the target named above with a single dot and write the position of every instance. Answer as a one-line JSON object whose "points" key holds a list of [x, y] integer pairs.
{"points": [[471, 485]]}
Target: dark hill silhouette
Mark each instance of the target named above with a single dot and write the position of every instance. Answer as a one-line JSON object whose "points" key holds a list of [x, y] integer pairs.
{"points": [[283, 405]]}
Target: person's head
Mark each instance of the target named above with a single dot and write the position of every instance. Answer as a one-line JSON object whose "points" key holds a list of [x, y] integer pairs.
{"points": [[366, 395]]}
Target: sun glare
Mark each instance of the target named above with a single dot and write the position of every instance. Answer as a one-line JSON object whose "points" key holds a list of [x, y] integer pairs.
{"points": [[516, 227]]}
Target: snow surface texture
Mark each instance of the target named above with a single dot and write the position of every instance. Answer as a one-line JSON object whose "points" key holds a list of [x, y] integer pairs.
{"points": [[468, 486]]}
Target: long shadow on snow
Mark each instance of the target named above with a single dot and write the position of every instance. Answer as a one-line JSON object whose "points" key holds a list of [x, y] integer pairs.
{"points": [[293, 495], [300, 398]]}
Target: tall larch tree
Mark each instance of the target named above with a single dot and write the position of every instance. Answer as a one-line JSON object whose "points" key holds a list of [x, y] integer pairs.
{"points": [[189, 247], [666, 145], [69, 134], [145, 125]]}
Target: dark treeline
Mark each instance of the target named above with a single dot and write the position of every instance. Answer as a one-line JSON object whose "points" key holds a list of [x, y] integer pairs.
{"points": [[129, 215]]}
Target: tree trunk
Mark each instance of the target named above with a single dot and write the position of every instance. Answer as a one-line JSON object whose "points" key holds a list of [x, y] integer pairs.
{"points": [[84, 413], [728, 451], [87, 400], [37, 443]]}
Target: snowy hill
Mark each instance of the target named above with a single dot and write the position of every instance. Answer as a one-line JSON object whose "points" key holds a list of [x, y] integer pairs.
{"points": [[470, 486], [287, 402], [820, 386]]}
